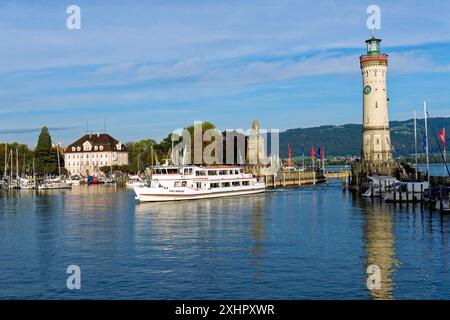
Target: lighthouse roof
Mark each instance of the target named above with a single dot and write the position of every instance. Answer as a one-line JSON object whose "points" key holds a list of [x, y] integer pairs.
{"points": [[373, 39]]}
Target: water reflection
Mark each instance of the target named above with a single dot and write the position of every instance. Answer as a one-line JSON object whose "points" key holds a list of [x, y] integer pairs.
{"points": [[379, 244]]}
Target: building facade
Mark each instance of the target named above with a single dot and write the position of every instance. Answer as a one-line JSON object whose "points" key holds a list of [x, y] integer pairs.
{"points": [[91, 152]]}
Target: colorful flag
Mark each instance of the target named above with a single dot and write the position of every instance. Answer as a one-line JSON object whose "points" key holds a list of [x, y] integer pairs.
{"points": [[424, 142], [289, 151], [303, 151], [322, 154], [313, 152], [442, 137], [319, 152]]}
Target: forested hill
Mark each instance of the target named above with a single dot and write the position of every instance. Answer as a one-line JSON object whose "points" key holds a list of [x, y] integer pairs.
{"points": [[344, 140]]}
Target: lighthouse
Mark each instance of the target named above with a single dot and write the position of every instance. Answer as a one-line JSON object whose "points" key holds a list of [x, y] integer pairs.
{"points": [[376, 147], [376, 139]]}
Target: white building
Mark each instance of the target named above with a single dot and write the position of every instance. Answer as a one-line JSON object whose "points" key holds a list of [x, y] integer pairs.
{"points": [[91, 152]]}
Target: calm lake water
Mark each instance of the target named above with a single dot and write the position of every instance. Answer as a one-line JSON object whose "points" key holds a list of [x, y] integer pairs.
{"points": [[298, 243]]}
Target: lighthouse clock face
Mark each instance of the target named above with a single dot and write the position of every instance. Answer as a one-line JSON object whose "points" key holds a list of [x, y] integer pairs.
{"points": [[367, 89]]}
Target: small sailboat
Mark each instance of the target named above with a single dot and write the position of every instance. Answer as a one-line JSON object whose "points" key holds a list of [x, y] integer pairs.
{"points": [[379, 184], [56, 183], [135, 181], [406, 191], [443, 205]]}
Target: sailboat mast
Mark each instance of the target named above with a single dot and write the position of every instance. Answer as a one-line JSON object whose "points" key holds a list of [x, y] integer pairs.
{"points": [[6, 160], [34, 175], [59, 165], [415, 141], [426, 139], [17, 166]]}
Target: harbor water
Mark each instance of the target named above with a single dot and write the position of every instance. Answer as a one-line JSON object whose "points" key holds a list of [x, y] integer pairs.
{"points": [[310, 242]]}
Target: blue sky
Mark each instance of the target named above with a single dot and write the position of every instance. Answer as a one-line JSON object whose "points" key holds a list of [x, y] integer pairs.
{"points": [[149, 67]]}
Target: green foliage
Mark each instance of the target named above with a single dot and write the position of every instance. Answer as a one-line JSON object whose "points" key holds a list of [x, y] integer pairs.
{"points": [[46, 157], [25, 158], [140, 154], [44, 141]]}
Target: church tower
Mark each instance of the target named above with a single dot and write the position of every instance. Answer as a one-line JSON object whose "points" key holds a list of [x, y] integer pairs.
{"points": [[376, 138]]}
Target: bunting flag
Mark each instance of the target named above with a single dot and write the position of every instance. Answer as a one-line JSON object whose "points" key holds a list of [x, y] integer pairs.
{"points": [[322, 154], [313, 152], [319, 152], [442, 137], [303, 151], [289, 151], [424, 142]]}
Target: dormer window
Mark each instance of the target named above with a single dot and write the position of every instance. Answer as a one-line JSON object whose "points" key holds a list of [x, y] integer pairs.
{"points": [[78, 148], [101, 148], [73, 148], [87, 146]]}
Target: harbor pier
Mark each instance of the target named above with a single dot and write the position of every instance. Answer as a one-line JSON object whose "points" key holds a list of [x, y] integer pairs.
{"points": [[291, 178]]}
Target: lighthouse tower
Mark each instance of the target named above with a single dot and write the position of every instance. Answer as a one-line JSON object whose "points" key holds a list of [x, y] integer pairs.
{"points": [[376, 143]]}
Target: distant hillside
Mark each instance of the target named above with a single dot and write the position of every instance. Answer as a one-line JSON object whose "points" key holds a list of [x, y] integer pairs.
{"points": [[345, 139]]}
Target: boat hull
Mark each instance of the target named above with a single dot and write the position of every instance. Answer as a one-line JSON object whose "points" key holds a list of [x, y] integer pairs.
{"points": [[146, 194]]}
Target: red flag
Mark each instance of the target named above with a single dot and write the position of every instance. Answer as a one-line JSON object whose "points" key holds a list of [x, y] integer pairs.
{"points": [[442, 137], [289, 151], [313, 152]]}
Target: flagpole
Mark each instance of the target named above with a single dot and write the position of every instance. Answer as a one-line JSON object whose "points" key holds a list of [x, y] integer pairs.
{"points": [[426, 140], [415, 140]]}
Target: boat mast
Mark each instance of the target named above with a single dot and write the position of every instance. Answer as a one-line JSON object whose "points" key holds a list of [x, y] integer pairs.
{"points": [[6, 160], [12, 168], [17, 166], [59, 165], [34, 175], [415, 142], [426, 139]]}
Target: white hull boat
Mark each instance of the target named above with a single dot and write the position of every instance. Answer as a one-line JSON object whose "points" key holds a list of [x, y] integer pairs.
{"points": [[406, 192], [445, 205], [55, 185], [170, 183], [377, 184]]}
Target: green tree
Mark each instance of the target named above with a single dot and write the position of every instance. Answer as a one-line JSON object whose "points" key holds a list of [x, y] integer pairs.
{"points": [[45, 155], [140, 154]]}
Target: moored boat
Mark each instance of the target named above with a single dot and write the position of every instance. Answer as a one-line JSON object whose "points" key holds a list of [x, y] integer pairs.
{"points": [[379, 184], [406, 191], [171, 183]]}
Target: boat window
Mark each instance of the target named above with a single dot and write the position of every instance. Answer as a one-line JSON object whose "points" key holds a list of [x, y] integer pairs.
{"points": [[236, 171], [222, 172], [214, 185], [225, 184], [212, 172], [245, 183], [199, 185], [178, 184], [200, 173], [172, 171], [236, 183]]}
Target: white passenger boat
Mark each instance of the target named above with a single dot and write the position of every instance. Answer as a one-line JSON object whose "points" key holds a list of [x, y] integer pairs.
{"points": [[169, 183], [377, 184]]}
